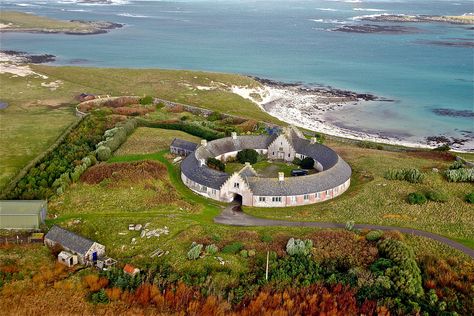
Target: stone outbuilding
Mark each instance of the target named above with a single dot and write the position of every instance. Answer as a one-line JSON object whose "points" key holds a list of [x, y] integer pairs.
{"points": [[86, 250], [332, 179], [181, 147]]}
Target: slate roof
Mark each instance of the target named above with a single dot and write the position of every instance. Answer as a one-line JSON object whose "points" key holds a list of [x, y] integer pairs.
{"points": [[69, 240], [183, 144], [335, 170], [318, 182]]}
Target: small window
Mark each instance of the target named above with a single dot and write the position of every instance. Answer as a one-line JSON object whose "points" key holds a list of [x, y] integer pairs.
{"points": [[214, 192], [288, 155], [261, 199], [293, 199], [273, 153], [306, 197], [276, 199], [236, 185], [328, 192]]}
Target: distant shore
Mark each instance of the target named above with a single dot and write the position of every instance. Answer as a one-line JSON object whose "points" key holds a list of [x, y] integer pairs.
{"points": [[13, 21], [403, 18]]}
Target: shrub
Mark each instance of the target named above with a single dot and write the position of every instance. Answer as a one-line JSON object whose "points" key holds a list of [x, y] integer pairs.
{"points": [[146, 100], [436, 196], [374, 235], [252, 253], [212, 249], [470, 198], [232, 248], [417, 198], [100, 297], [298, 247], [411, 175], [188, 127], [444, 147], [195, 251], [320, 137], [215, 164], [295, 271], [405, 275], [456, 165], [297, 161], [160, 105], [244, 253], [247, 155], [307, 163], [460, 175], [214, 116], [267, 238], [103, 153]]}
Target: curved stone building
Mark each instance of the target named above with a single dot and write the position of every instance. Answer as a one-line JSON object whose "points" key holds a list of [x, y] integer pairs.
{"points": [[332, 179]]}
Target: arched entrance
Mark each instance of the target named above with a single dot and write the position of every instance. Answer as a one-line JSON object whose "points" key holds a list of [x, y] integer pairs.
{"points": [[237, 203]]}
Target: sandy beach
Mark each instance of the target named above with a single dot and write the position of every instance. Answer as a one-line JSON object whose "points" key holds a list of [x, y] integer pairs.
{"points": [[307, 107]]}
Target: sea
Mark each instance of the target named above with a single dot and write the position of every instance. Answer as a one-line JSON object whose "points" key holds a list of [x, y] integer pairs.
{"points": [[428, 72]]}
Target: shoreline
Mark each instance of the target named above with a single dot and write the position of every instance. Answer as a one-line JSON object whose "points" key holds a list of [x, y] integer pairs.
{"points": [[295, 103], [307, 106]]}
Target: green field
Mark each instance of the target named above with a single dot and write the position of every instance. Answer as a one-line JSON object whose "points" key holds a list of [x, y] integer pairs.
{"points": [[267, 169], [36, 115], [375, 200]]}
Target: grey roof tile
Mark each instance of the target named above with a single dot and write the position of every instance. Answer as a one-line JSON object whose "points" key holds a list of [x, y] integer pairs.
{"points": [[69, 239], [184, 144]]}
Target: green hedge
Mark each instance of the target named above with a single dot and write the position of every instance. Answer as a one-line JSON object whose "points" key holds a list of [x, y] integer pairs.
{"points": [[190, 128], [411, 175]]}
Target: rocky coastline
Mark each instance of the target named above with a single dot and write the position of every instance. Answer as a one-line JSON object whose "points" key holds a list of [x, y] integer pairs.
{"points": [[401, 18], [26, 58], [89, 28]]}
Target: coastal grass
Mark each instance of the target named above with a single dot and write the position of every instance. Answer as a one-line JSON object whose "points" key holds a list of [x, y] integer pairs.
{"points": [[372, 199], [25, 21], [180, 86]]}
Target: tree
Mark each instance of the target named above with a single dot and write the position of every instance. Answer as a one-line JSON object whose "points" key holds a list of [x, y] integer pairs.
{"points": [[215, 164], [307, 163], [247, 155]]}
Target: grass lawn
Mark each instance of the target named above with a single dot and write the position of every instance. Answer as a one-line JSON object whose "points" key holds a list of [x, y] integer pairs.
{"points": [[375, 200], [267, 169], [149, 140], [25, 133]]}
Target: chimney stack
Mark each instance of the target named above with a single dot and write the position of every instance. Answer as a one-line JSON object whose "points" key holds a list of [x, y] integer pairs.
{"points": [[281, 176], [203, 143], [202, 162], [313, 140], [234, 135]]}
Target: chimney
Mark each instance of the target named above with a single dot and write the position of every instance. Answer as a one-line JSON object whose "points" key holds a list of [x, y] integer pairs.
{"points": [[313, 140], [203, 143], [234, 135], [202, 162], [281, 176]]}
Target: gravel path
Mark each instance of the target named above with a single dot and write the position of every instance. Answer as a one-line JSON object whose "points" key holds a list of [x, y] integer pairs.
{"points": [[234, 218]]}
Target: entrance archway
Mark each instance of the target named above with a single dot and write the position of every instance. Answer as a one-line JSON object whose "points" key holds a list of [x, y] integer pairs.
{"points": [[237, 203]]}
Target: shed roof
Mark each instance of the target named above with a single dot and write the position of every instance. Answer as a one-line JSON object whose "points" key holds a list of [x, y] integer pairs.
{"points": [[69, 240], [184, 144], [22, 207]]}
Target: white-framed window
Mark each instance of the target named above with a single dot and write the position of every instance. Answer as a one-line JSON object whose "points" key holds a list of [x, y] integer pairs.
{"points": [[293, 199], [328, 192], [261, 199], [236, 185], [214, 192], [306, 197], [276, 199], [318, 195], [203, 187]]}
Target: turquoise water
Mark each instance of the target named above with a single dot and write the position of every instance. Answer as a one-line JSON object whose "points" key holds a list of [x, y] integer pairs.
{"points": [[288, 41]]}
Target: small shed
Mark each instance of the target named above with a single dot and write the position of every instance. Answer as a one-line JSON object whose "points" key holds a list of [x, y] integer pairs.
{"points": [[67, 258], [87, 251], [22, 214], [131, 270], [182, 147]]}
